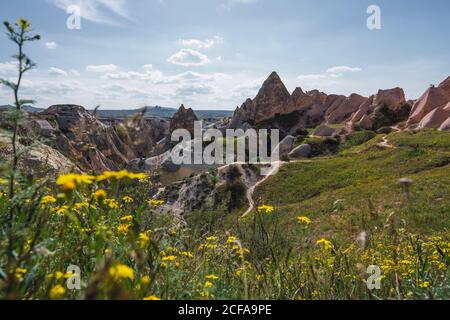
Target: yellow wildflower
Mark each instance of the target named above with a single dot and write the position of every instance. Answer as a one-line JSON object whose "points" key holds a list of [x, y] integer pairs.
{"points": [[304, 220], [19, 273], [149, 298], [145, 280], [57, 292], [119, 175], [128, 218], [326, 244], [212, 277], [187, 254], [121, 271], [155, 203], [128, 199], [265, 209], [144, 240], [100, 194], [169, 258], [112, 203], [123, 228], [70, 181], [208, 284], [47, 200], [231, 239], [211, 239]]}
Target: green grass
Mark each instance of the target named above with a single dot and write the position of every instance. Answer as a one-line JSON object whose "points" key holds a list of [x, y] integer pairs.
{"points": [[345, 192]]}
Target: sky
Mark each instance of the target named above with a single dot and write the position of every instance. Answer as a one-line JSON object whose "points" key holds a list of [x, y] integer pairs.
{"points": [[214, 54]]}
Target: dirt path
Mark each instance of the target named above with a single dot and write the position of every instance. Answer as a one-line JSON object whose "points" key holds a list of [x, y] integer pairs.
{"points": [[251, 191]]}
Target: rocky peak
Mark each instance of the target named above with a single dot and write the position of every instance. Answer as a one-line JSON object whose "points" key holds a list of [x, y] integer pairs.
{"points": [[445, 85], [183, 119]]}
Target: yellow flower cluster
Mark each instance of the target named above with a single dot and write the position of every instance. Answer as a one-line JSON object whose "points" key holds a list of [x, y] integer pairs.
{"points": [[265, 209], [121, 271]]}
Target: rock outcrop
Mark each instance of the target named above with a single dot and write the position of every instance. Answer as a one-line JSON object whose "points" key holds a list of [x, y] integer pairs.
{"points": [[91, 144], [183, 119], [435, 118], [274, 108], [433, 98], [385, 108]]}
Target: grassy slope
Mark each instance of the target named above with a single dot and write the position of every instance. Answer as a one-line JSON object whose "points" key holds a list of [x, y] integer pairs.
{"points": [[357, 190]]}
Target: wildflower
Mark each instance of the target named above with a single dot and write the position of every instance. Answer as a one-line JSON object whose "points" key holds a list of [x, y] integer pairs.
{"points": [[19, 273], [144, 240], [47, 200], [169, 258], [304, 220], [149, 298], [128, 199], [211, 239], [155, 203], [326, 244], [208, 284], [212, 277], [187, 254], [145, 280], [112, 203], [100, 194], [123, 228], [69, 182], [231, 239], [265, 209], [128, 218], [57, 292], [119, 175], [121, 271]]}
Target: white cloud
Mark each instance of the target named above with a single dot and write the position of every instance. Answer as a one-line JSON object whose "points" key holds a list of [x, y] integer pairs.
{"points": [[97, 11], [194, 89], [147, 67], [51, 45], [7, 68], [201, 44], [339, 70], [74, 73], [333, 72], [102, 68], [188, 58], [57, 72]]}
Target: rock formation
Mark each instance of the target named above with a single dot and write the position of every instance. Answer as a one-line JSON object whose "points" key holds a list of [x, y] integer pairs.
{"points": [[183, 119], [433, 98], [91, 144], [274, 108]]}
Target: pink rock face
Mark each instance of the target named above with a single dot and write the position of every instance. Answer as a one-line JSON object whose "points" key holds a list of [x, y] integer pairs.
{"points": [[392, 98], [445, 85], [435, 118], [270, 99], [445, 126], [344, 110], [433, 98]]}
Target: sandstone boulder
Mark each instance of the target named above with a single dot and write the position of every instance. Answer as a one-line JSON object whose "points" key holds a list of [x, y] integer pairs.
{"points": [[433, 98], [324, 131], [302, 151], [435, 118]]}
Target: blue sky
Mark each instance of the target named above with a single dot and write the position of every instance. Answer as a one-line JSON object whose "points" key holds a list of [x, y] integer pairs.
{"points": [[213, 54]]}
